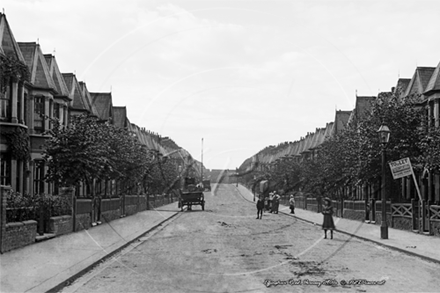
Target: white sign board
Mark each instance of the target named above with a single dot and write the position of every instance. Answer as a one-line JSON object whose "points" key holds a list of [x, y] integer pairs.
{"points": [[401, 168]]}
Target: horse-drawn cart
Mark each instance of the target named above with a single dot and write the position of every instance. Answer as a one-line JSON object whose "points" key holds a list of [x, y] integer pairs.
{"points": [[191, 198], [191, 195]]}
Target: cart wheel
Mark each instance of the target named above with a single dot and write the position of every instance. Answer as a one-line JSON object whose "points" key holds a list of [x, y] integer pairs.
{"points": [[203, 206]]}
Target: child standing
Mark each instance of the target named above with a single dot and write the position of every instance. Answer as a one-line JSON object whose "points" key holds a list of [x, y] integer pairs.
{"points": [[260, 207], [292, 204], [327, 211]]}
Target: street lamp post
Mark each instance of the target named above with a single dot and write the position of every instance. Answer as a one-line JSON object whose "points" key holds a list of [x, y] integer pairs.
{"points": [[384, 137]]}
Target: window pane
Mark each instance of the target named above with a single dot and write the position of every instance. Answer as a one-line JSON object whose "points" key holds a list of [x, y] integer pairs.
{"points": [[39, 110], [5, 169]]}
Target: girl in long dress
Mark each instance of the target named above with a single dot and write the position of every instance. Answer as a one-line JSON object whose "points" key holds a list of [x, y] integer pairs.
{"points": [[292, 204], [328, 224]]}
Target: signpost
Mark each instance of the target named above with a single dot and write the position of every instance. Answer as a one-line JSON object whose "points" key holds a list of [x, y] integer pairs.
{"points": [[402, 168]]}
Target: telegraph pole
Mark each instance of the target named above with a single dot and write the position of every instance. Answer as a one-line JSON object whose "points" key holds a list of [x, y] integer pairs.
{"points": [[201, 165]]}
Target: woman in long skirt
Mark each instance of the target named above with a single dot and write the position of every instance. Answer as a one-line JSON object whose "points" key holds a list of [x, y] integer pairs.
{"points": [[327, 211]]}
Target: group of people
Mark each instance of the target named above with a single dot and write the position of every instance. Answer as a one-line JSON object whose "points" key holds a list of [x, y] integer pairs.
{"points": [[271, 204]]}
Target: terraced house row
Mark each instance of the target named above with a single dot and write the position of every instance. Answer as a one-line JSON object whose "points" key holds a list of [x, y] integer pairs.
{"points": [[33, 86], [360, 200]]}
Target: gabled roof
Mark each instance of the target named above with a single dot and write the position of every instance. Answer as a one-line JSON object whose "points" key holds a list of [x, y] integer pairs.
{"points": [[402, 85], [329, 129], [57, 77], [103, 104], [341, 120], [434, 81], [8, 45], [38, 68], [120, 117], [362, 107], [88, 98], [419, 81], [75, 94]]}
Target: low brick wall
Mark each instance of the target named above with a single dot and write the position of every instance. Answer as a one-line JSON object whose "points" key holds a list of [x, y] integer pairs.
{"points": [[83, 222], [142, 203], [402, 223], [19, 234], [354, 215], [60, 225], [111, 215], [110, 209], [435, 228], [131, 210], [312, 207], [379, 218]]}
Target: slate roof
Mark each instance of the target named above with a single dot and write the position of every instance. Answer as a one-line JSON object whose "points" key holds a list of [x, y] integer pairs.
{"points": [[57, 77], [290, 149], [419, 81], [362, 107], [120, 117], [75, 94], [87, 98], [434, 81], [402, 85], [341, 120], [8, 45], [103, 104], [146, 138], [38, 68]]}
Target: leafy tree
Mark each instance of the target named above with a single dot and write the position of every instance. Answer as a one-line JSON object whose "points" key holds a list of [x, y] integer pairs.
{"points": [[430, 150], [77, 152], [404, 120], [89, 149], [354, 156]]}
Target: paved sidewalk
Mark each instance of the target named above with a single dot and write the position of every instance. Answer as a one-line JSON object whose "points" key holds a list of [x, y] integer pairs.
{"points": [[42, 266], [424, 246]]}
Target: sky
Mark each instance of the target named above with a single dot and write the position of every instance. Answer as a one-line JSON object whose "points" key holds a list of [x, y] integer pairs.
{"points": [[225, 79]]}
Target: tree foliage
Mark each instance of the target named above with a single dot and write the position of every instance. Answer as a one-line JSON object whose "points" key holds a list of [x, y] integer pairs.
{"points": [[90, 149], [353, 156]]}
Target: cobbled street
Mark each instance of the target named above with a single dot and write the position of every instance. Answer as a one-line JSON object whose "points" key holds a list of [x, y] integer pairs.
{"points": [[226, 249]]}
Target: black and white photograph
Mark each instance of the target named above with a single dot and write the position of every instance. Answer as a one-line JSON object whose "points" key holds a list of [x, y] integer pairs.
{"points": [[219, 146]]}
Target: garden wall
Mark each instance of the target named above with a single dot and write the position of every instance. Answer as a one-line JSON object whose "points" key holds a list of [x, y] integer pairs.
{"points": [[60, 225], [18, 234], [83, 222], [110, 209], [354, 215], [83, 214], [402, 223], [435, 227]]}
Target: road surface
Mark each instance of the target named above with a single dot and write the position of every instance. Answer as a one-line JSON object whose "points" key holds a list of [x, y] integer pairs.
{"points": [[226, 249]]}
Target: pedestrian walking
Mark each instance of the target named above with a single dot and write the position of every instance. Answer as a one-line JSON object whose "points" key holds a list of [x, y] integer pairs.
{"points": [[260, 206], [269, 202], [327, 211], [275, 202], [266, 202], [292, 204]]}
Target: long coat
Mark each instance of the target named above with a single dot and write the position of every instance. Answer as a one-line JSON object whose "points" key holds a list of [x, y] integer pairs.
{"points": [[328, 223]]}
